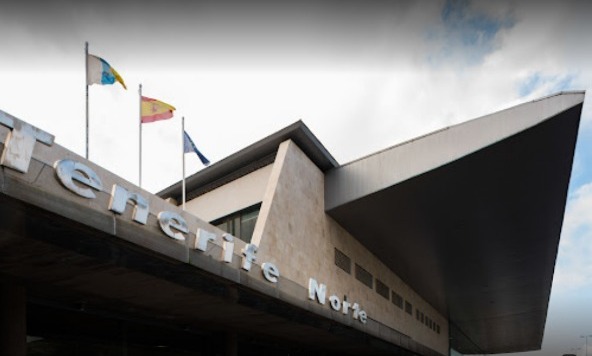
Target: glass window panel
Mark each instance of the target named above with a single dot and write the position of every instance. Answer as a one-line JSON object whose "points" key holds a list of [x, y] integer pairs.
{"points": [[396, 299], [240, 224], [342, 261], [382, 289], [408, 308], [236, 226], [247, 225], [223, 226], [364, 276]]}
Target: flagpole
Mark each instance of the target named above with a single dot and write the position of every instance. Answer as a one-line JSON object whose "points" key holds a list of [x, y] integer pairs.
{"points": [[86, 84], [183, 153], [140, 131]]}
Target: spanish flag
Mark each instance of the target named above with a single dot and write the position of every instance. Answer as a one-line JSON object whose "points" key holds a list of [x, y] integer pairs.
{"points": [[154, 110]]}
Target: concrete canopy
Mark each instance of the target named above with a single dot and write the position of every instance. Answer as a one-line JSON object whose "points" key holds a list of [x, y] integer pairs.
{"points": [[470, 217], [76, 270]]}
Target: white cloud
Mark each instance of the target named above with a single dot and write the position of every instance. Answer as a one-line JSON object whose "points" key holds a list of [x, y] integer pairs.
{"points": [[387, 92], [574, 267]]}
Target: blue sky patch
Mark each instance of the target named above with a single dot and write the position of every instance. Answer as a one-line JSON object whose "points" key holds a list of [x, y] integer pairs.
{"points": [[554, 83], [582, 170], [529, 85], [465, 34]]}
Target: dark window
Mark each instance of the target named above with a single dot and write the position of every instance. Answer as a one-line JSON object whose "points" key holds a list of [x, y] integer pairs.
{"points": [[397, 299], [382, 289], [342, 261], [422, 317], [247, 224], [417, 314], [408, 308], [438, 329], [240, 224], [364, 276]]}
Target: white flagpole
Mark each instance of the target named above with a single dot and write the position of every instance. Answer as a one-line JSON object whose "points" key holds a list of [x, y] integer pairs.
{"points": [[183, 153], [86, 84], [140, 131]]}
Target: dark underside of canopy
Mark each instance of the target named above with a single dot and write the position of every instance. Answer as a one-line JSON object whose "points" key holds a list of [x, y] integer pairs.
{"points": [[478, 236]]}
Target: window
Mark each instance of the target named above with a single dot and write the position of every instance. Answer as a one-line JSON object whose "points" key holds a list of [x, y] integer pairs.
{"points": [[364, 276], [382, 289], [240, 224], [397, 299], [408, 308], [417, 314], [438, 328], [342, 261]]}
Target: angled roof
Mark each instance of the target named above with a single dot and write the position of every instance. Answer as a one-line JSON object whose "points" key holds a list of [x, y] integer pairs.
{"points": [[470, 217], [257, 155]]}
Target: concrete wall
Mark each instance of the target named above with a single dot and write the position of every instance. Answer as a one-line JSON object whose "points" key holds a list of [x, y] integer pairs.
{"points": [[294, 232], [242, 193]]}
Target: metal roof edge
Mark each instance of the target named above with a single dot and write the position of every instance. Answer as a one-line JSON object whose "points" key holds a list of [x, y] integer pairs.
{"points": [[568, 92], [253, 157]]}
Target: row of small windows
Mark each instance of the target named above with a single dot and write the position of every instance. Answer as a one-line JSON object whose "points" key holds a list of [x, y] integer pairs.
{"points": [[364, 276], [344, 262], [424, 319]]}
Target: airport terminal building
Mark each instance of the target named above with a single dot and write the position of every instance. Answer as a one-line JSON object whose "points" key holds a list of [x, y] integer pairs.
{"points": [[442, 244]]}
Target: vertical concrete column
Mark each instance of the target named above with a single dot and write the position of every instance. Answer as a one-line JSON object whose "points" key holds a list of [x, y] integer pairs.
{"points": [[231, 344], [13, 320], [123, 338]]}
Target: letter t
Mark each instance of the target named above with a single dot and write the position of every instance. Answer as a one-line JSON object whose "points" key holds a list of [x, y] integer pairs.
{"points": [[249, 252], [20, 142]]}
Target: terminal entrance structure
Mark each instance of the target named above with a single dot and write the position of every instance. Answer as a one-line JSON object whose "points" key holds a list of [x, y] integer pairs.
{"points": [[444, 242]]}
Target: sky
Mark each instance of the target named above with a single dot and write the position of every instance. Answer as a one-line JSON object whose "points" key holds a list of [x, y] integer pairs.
{"points": [[362, 75]]}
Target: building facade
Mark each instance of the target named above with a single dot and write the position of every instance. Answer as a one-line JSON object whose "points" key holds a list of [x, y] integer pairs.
{"points": [[445, 242]]}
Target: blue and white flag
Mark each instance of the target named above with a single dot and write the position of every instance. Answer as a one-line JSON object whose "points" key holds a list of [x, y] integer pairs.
{"points": [[189, 146], [98, 71]]}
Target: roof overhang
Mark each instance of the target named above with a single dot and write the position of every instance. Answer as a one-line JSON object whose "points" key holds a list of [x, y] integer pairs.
{"points": [[255, 156], [470, 217]]}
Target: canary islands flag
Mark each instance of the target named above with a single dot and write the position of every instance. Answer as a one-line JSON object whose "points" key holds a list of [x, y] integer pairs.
{"points": [[98, 71], [189, 146], [154, 110]]}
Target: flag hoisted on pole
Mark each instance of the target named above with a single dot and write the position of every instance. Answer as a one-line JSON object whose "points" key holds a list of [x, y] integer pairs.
{"points": [[101, 72], [154, 110], [140, 135], [188, 147], [98, 71], [86, 85], [183, 184], [151, 110]]}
